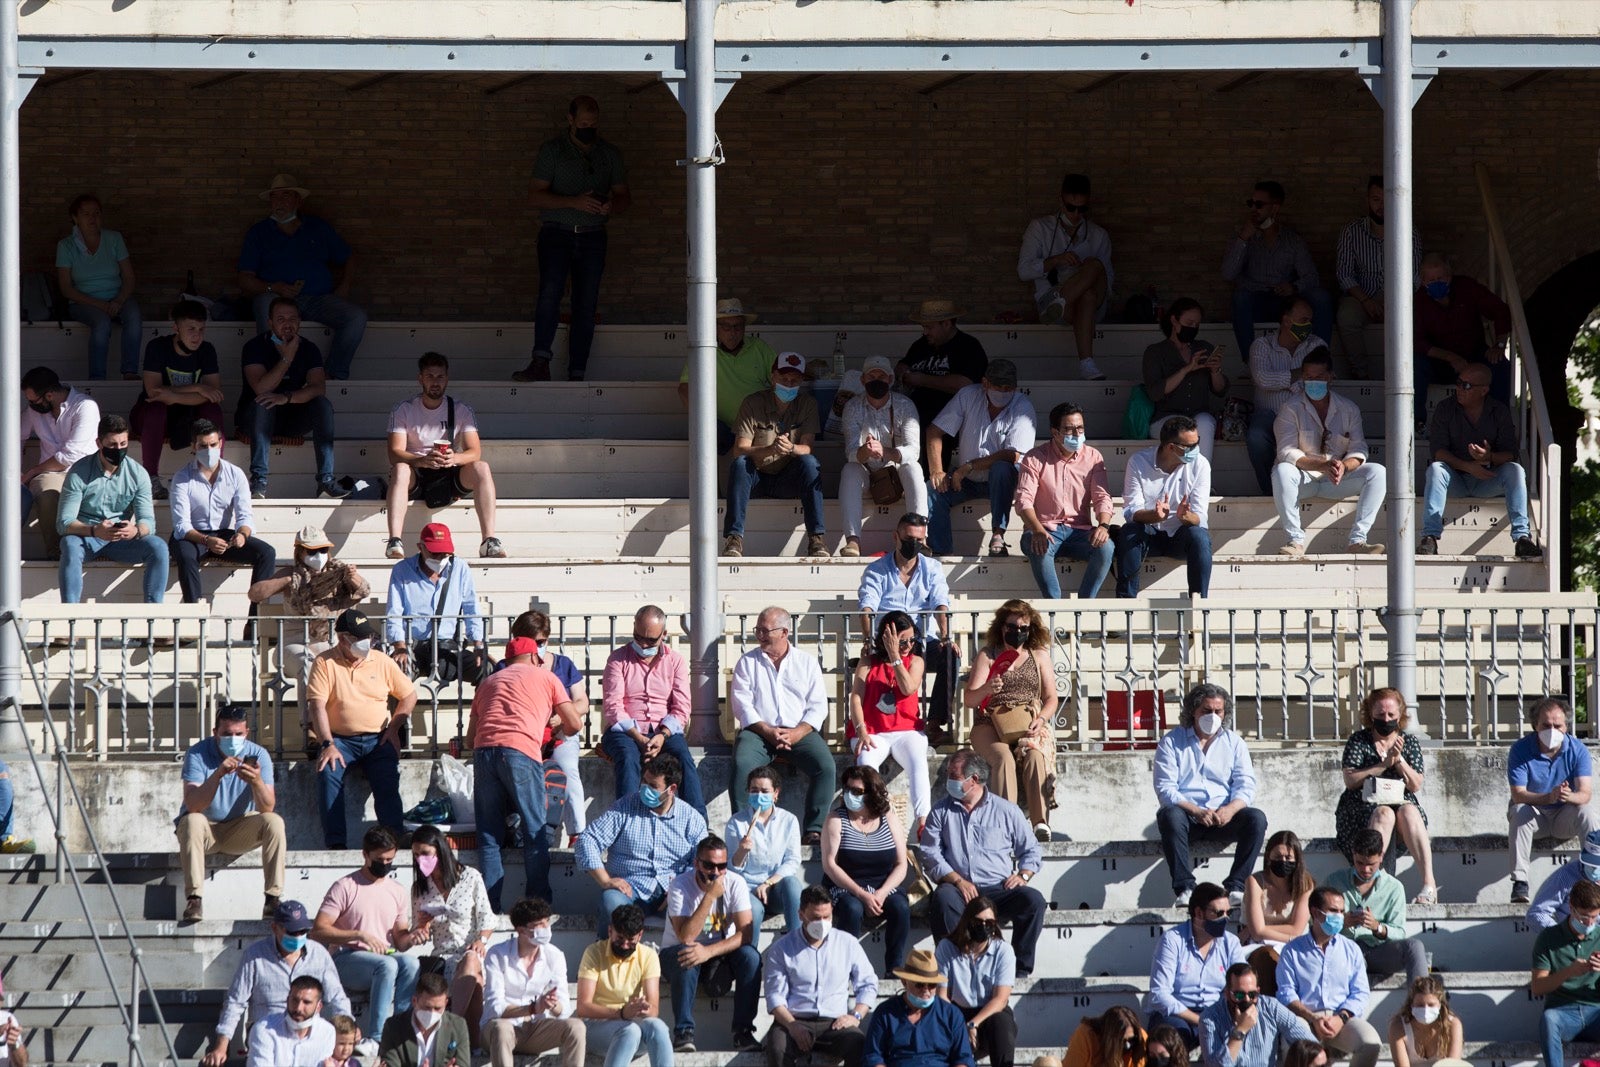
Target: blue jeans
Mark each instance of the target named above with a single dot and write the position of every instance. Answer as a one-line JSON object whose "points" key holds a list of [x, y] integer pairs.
{"points": [[1250, 307], [1444, 481], [583, 257], [685, 981], [1074, 544], [291, 420], [507, 781], [380, 762], [1426, 371], [1291, 485], [1137, 540], [150, 551], [800, 480], [99, 324], [622, 1038], [627, 762], [347, 321], [1262, 443], [6, 800], [850, 915], [1570, 1022], [389, 980], [998, 490], [784, 896], [612, 899]]}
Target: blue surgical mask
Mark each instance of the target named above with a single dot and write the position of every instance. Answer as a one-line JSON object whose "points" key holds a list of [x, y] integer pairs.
{"points": [[231, 744], [1000, 397], [650, 795], [919, 1002], [208, 457], [1582, 929], [1438, 290], [956, 787], [760, 802], [292, 943], [1072, 442], [1332, 923], [853, 803], [1316, 390], [1191, 454], [786, 393], [642, 652], [1591, 873]]}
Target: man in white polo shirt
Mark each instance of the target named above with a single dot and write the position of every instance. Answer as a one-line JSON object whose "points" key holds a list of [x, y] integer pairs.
{"points": [[1165, 495]]}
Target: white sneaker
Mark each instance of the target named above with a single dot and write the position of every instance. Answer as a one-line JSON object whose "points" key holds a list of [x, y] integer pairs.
{"points": [[1236, 898], [1054, 312], [1182, 901], [1091, 372], [1041, 831]]}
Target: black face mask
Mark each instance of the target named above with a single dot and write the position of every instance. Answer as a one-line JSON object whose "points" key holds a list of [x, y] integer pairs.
{"points": [[379, 868], [1282, 868], [1187, 334], [1385, 727], [1017, 636], [622, 953], [43, 407], [586, 134], [1377, 219], [113, 456], [877, 390], [910, 548], [1158, 1061]]}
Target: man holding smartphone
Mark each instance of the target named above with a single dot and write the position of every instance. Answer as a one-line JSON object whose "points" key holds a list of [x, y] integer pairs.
{"points": [[228, 802], [106, 512]]}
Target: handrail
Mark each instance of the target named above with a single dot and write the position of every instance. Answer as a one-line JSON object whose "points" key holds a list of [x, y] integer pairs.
{"points": [[65, 782], [1544, 452]]}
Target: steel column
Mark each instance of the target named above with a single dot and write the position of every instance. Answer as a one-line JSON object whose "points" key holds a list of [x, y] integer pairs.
{"points": [[12, 91]]}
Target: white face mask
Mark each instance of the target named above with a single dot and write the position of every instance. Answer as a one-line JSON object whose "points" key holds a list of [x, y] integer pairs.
{"points": [[435, 564], [361, 647], [817, 929], [1426, 1014], [315, 561], [299, 1026], [999, 398], [1209, 723], [427, 1019], [209, 457], [1551, 738]]}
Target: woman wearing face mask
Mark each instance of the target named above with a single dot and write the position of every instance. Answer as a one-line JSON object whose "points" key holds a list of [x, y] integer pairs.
{"points": [[315, 589], [1182, 373], [1014, 668], [1425, 1030], [1164, 1047], [982, 969], [1383, 749], [1113, 1038], [95, 276], [1277, 906], [764, 849], [864, 863], [450, 904], [886, 710]]}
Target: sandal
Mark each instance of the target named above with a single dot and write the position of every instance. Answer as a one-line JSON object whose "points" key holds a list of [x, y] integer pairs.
{"points": [[1429, 896]]}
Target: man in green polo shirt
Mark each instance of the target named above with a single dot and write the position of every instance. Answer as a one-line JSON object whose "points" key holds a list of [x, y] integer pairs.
{"points": [[744, 366], [106, 513], [1566, 973], [579, 184]]}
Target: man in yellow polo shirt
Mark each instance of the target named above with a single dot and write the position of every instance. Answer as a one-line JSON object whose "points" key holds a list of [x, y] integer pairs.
{"points": [[743, 367], [349, 691], [619, 993]]}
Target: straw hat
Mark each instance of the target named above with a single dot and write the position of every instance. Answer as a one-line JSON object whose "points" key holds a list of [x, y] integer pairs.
{"points": [[921, 966], [930, 311], [733, 309], [285, 181]]}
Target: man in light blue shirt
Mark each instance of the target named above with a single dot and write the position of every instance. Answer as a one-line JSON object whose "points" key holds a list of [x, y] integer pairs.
{"points": [[1206, 784], [1191, 962], [648, 838], [211, 516], [296, 1037], [1550, 775], [820, 987], [106, 513], [976, 842], [228, 801], [433, 599], [1245, 1029], [1322, 978], [1550, 906]]}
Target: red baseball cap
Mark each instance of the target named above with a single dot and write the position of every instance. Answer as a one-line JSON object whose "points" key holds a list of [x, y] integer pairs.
{"points": [[521, 646], [436, 538]]}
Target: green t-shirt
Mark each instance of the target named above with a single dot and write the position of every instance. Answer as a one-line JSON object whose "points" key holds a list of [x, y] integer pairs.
{"points": [[739, 374], [1558, 947], [570, 171]]}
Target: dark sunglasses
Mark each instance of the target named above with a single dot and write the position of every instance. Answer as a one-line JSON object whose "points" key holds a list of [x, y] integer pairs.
{"points": [[708, 865], [1465, 385], [1257, 204], [1024, 630], [1075, 209], [1241, 996], [856, 791], [649, 642]]}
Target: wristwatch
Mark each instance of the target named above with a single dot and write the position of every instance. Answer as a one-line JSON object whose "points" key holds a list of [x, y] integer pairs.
{"points": [[1236, 1034], [1346, 1014], [857, 1016]]}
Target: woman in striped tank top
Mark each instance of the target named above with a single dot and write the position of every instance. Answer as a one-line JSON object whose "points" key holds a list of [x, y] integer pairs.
{"points": [[864, 863]]}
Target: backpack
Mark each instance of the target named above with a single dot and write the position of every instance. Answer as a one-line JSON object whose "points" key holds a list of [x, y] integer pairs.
{"points": [[1136, 417], [38, 303], [555, 799]]}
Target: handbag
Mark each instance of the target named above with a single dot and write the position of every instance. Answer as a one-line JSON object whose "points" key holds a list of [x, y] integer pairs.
{"points": [[1236, 414], [1011, 722], [1388, 792], [454, 661], [884, 483]]}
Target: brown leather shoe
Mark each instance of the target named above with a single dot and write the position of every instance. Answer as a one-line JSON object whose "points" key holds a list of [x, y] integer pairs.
{"points": [[537, 370]]}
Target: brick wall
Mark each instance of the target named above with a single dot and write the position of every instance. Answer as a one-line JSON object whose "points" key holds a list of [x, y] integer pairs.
{"points": [[843, 199]]}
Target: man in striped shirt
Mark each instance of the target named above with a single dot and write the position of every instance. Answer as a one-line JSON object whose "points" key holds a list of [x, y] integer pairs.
{"points": [[1359, 266]]}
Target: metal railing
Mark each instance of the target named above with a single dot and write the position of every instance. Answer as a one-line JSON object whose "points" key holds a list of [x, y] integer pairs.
{"points": [[55, 804], [1542, 453], [1297, 669]]}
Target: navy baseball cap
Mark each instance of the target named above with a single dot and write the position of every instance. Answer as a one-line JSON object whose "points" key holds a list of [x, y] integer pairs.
{"points": [[291, 915]]}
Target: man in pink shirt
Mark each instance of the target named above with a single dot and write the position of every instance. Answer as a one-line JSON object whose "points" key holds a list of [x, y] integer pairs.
{"points": [[1065, 505], [646, 692]]}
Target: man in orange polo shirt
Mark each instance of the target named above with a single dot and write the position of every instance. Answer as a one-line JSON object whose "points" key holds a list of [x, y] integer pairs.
{"points": [[509, 714], [349, 690]]}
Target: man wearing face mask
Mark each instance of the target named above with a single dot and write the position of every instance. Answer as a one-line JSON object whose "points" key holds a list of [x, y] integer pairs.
{"points": [[619, 993], [1068, 260], [819, 987], [265, 972], [106, 513], [349, 690], [646, 698], [993, 423], [1268, 262], [1322, 978], [285, 393], [1191, 963], [525, 1003], [1375, 911], [1322, 452], [212, 518], [883, 439], [1166, 493], [1244, 1028], [743, 366], [1566, 973], [919, 1028], [1206, 784], [1359, 266], [302, 258], [64, 420], [433, 604], [1550, 904], [1064, 500], [1550, 776], [297, 1035], [1274, 361], [648, 838], [709, 918], [429, 1035], [772, 446], [1448, 316], [362, 920], [228, 797]]}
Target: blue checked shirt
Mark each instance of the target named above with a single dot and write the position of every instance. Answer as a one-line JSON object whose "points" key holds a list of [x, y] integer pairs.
{"points": [[644, 849], [1275, 1026]]}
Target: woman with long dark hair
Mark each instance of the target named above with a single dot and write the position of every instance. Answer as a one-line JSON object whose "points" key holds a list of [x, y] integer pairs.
{"points": [[981, 970], [1113, 1038], [886, 709], [864, 863], [451, 907]]}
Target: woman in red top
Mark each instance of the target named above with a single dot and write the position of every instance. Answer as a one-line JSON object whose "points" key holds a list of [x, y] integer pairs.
{"points": [[885, 709]]}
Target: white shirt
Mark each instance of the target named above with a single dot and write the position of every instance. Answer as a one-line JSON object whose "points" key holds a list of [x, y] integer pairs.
{"points": [[423, 425], [201, 503], [785, 695], [6, 1019], [684, 896], [1271, 366], [895, 425], [966, 418], [425, 1040], [1145, 483], [273, 1044], [1300, 431], [66, 437], [1050, 235], [507, 985]]}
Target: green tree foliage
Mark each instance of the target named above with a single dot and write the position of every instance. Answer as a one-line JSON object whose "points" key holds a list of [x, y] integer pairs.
{"points": [[1583, 364]]}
